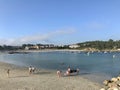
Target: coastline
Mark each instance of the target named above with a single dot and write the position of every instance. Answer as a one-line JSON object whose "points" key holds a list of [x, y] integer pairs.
{"points": [[54, 50], [19, 79]]}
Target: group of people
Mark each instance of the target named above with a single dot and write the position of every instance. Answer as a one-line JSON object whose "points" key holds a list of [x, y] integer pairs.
{"points": [[59, 73], [31, 70], [68, 72]]}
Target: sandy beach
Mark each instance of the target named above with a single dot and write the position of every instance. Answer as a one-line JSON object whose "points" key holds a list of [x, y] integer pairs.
{"points": [[19, 79]]}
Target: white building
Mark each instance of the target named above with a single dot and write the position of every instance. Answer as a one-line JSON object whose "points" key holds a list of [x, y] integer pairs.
{"points": [[31, 47], [74, 46]]}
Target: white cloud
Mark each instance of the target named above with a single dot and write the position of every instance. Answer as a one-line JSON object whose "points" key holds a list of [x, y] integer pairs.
{"points": [[37, 38]]}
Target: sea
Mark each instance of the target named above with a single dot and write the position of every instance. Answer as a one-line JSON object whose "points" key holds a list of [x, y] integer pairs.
{"points": [[104, 65]]}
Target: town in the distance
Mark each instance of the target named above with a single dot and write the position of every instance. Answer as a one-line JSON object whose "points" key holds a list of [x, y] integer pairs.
{"points": [[110, 45]]}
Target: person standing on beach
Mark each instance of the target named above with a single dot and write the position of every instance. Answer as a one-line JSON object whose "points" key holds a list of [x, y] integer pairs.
{"points": [[8, 72], [30, 70], [59, 73], [33, 69]]}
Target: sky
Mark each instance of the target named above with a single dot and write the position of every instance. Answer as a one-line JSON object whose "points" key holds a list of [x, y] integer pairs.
{"points": [[59, 22]]}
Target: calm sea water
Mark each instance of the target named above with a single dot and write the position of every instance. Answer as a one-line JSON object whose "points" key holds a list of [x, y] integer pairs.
{"points": [[95, 62]]}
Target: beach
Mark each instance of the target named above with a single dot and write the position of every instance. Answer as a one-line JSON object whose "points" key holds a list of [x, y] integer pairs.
{"points": [[19, 79]]}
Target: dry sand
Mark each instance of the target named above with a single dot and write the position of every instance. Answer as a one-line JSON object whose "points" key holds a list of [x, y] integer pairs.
{"points": [[19, 79]]}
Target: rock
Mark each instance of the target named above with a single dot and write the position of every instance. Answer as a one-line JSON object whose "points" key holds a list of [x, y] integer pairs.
{"points": [[118, 78], [106, 82], [102, 89], [113, 88], [114, 79]]}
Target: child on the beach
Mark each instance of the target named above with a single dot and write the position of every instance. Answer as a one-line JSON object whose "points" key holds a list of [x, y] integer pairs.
{"points": [[8, 72], [59, 73]]}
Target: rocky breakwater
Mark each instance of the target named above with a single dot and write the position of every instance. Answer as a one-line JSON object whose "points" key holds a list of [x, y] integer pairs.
{"points": [[113, 84]]}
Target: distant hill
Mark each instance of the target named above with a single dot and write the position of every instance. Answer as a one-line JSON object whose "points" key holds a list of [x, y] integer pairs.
{"points": [[100, 45]]}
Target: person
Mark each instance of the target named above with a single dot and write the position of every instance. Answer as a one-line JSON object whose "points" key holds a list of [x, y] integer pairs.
{"points": [[8, 72], [30, 70], [72, 71], [33, 69], [68, 71], [59, 73]]}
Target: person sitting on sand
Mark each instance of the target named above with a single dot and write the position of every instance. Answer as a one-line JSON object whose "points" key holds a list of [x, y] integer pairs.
{"points": [[8, 72], [71, 71], [68, 72], [74, 71]]}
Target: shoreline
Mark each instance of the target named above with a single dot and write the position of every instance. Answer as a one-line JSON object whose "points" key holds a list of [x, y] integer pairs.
{"points": [[41, 80], [54, 50]]}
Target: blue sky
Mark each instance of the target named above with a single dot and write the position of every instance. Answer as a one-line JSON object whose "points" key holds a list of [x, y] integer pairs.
{"points": [[58, 21]]}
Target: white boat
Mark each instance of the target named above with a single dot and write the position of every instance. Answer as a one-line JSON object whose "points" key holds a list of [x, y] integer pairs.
{"points": [[113, 56], [88, 53]]}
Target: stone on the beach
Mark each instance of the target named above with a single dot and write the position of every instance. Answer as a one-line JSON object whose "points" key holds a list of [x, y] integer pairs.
{"points": [[114, 79], [110, 85], [113, 88], [105, 82], [118, 78], [102, 89]]}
